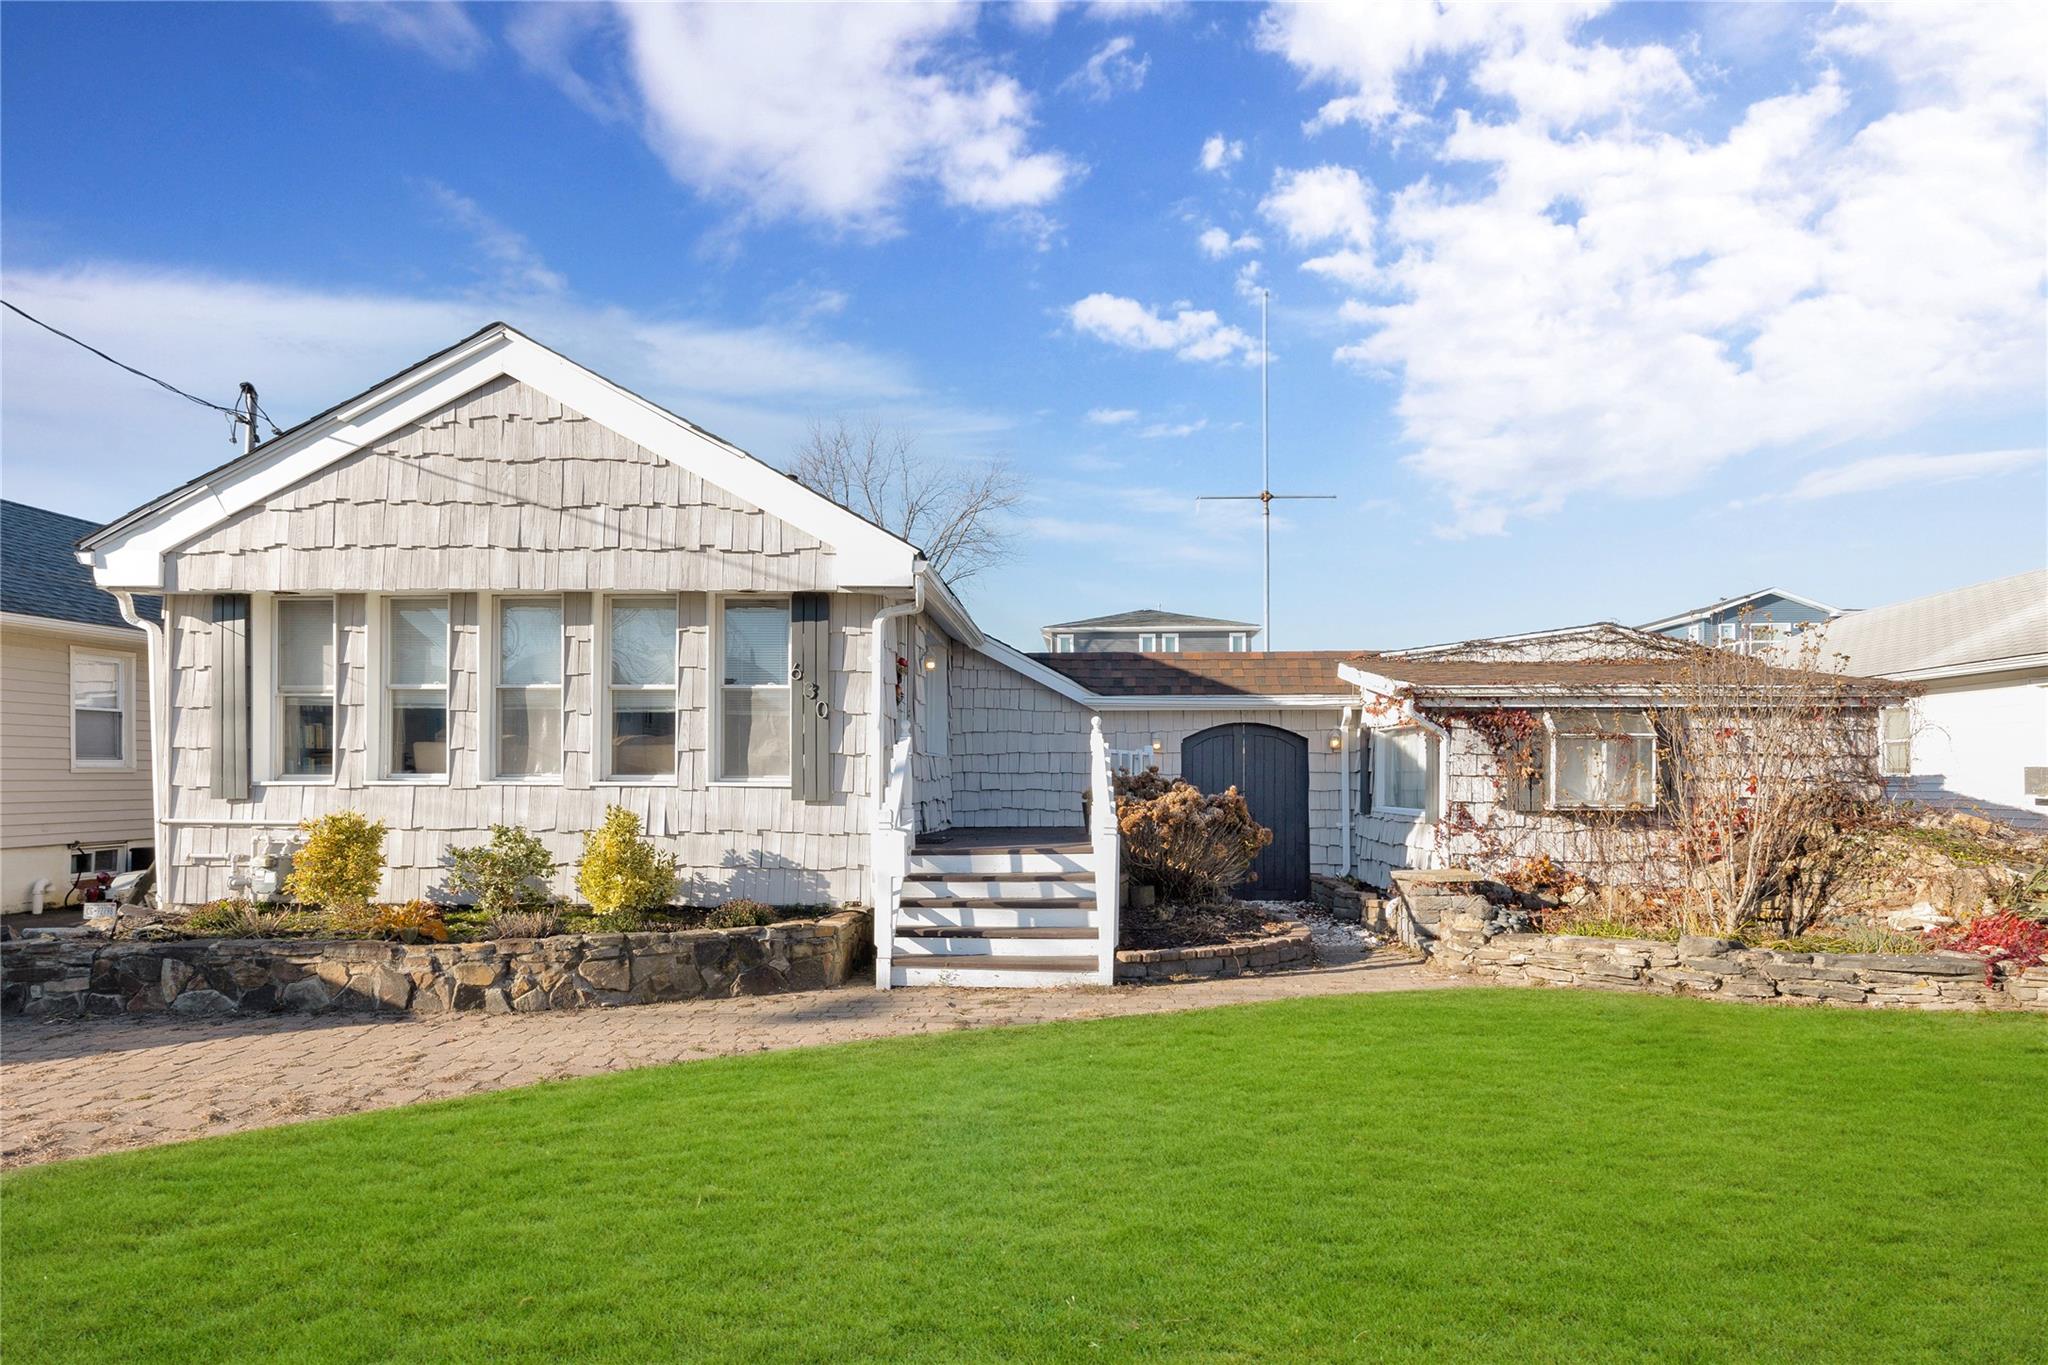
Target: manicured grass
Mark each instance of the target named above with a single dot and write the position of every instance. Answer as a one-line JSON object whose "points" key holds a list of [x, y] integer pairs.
{"points": [[1475, 1174]]}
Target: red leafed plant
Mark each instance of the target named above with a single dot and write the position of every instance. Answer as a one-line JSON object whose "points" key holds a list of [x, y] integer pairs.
{"points": [[2000, 937]]}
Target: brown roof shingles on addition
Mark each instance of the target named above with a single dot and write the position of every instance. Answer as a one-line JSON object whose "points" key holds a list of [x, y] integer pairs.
{"points": [[1441, 677], [1279, 673]]}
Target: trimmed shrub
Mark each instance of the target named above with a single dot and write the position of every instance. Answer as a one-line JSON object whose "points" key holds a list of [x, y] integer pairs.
{"points": [[621, 873], [509, 873], [738, 914], [341, 863], [1192, 847]]}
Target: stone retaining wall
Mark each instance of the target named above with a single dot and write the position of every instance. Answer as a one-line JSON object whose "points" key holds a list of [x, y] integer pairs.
{"points": [[1351, 904], [72, 977], [1290, 947], [1447, 917]]}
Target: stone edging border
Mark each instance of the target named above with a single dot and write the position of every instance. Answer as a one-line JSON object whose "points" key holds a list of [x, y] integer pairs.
{"points": [[1292, 947]]}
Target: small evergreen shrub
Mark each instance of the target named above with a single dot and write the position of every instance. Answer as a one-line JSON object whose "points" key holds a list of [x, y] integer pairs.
{"points": [[621, 873], [341, 863], [508, 873]]}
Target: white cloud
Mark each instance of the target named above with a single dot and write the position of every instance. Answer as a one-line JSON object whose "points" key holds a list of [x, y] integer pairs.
{"points": [[1159, 430], [1524, 54], [1251, 281], [1220, 153], [306, 347], [1191, 334], [1893, 471], [442, 31], [519, 266], [1327, 206], [1579, 305], [1112, 417], [1216, 243], [1110, 70], [1034, 16], [549, 39]]}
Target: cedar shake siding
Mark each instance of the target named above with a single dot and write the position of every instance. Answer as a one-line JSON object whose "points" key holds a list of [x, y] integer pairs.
{"points": [[507, 492], [1020, 750]]}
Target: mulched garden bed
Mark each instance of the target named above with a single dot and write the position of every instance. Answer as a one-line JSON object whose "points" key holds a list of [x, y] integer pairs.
{"points": [[1192, 926]]}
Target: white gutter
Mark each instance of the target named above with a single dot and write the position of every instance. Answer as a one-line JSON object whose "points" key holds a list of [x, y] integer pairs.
{"points": [[159, 730], [1344, 781]]}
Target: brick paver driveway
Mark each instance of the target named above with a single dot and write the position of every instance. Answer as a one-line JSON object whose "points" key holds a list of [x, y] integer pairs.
{"points": [[70, 1089]]}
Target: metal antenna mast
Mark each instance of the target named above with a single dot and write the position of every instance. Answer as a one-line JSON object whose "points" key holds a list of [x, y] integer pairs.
{"points": [[1266, 497]]}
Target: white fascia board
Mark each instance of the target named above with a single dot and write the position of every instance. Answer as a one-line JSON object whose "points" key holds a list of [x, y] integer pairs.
{"points": [[2017, 663], [81, 630], [1377, 684], [951, 614], [1228, 702], [863, 554]]}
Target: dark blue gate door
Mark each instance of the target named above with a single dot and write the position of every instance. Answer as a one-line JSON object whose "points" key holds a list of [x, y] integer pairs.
{"points": [[1269, 768]]}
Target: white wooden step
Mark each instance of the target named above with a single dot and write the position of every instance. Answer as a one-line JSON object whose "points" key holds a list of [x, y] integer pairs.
{"points": [[994, 889], [1062, 916], [1016, 972], [973, 945], [967, 864]]}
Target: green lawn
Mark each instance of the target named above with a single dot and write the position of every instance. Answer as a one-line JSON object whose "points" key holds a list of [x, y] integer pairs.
{"points": [[1472, 1174]]}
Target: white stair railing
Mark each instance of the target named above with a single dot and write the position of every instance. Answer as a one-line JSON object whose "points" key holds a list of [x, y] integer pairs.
{"points": [[890, 843], [1106, 845]]}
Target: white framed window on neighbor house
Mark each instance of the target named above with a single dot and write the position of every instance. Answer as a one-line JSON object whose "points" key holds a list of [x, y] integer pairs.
{"points": [[102, 709], [1601, 760], [302, 671], [1728, 632], [1696, 632], [106, 858], [1148, 644], [1401, 770], [1895, 750], [1237, 642], [1063, 644], [753, 690], [526, 689], [640, 645], [415, 677], [1169, 643]]}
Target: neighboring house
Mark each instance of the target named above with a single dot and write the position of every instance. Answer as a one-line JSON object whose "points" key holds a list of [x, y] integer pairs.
{"points": [[1753, 621], [74, 717], [1977, 735], [1150, 631], [497, 588]]}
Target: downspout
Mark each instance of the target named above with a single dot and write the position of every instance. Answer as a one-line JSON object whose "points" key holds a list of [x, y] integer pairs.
{"points": [[878, 693], [888, 839], [1347, 794], [159, 733]]}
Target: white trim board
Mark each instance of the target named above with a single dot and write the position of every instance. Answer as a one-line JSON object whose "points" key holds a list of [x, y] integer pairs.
{"points": [[80, 630], [1711, 608], [129, 554]]}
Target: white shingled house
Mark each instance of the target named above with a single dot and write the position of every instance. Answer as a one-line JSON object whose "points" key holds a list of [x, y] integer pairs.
{"points": [[498, 588]]}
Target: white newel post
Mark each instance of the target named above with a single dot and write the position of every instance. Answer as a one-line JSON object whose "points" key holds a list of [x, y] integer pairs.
{"points": [[1102, 835]]}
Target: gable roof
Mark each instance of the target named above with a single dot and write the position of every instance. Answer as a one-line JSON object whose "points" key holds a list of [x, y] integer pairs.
{"points": [[40, 576], [1729, 603], [128, 552], [1493, 681], [1280, 673], [1150, 617], [1980, 628]]}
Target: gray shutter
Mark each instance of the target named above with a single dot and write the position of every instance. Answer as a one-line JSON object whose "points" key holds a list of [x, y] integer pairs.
{"points": [[1525, 788], [231, 696], [810, 696], [1365, 772]]}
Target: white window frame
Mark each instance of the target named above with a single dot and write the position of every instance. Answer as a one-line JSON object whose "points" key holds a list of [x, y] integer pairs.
{"points": [[488, 663], [124, 690], [1063, 644], [609, 690], [1550, 767], [91, 851], [380, 625], [1239, 644], [1885, 742], [1148, 644], [1169, 642], [1383, 740], [1728, 632], [268, 753], [715, 679]]}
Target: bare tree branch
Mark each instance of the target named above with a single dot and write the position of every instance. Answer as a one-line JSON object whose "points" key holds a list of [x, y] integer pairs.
{"points": [[953, 510]]}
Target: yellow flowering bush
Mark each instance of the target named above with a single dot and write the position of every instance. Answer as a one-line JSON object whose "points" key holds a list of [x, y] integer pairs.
{"points": [[341, 863]]}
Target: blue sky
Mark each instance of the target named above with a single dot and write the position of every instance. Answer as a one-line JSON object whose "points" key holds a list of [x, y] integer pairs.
{"points": [[1580, 313]]}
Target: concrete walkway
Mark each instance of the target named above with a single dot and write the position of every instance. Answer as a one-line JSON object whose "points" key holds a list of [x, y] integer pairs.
{"points": [[75, 1088]]}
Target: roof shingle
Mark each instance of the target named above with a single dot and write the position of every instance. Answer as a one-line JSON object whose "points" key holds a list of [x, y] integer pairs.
{"points": [[41, 576], [1279, 673]]}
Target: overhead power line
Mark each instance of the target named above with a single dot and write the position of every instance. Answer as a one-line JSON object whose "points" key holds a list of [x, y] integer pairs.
{"points": [[233, 414]]}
